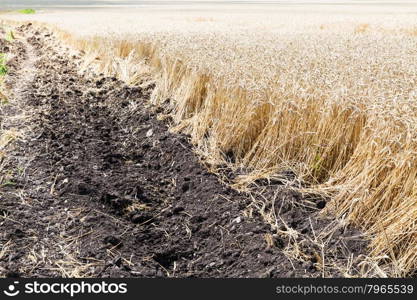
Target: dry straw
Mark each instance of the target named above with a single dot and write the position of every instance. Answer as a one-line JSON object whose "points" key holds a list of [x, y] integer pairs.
{"points": [[362, 154], [343, 119]]}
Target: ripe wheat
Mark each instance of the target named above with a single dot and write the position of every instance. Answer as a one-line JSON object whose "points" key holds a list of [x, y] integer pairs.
{"points": [[331, 98]]}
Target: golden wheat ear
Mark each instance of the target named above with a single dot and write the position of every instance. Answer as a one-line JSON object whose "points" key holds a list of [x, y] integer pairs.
{"points": [[337, 108]]}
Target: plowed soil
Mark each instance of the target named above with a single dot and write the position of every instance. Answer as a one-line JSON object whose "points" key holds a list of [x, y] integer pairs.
{"points": [[94, 185]]}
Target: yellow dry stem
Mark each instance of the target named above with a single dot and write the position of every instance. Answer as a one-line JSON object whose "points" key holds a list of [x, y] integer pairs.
{"points": [[365, 157], [362, 154]]}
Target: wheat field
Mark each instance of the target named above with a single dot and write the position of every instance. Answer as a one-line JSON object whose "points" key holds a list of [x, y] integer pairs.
{"points": [[329, 93]]}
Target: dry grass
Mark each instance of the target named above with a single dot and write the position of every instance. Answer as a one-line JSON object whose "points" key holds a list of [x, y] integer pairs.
{"points": [[334, 104]]}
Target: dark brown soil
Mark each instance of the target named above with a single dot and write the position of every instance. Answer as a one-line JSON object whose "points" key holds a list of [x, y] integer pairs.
{"points": [[97, 186]]}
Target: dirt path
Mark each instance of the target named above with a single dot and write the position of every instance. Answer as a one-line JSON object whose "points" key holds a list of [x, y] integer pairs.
{"points": [[97, 186]]}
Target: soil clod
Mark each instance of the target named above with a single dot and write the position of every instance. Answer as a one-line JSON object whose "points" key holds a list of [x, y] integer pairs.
{"points": [[106, 190]]}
